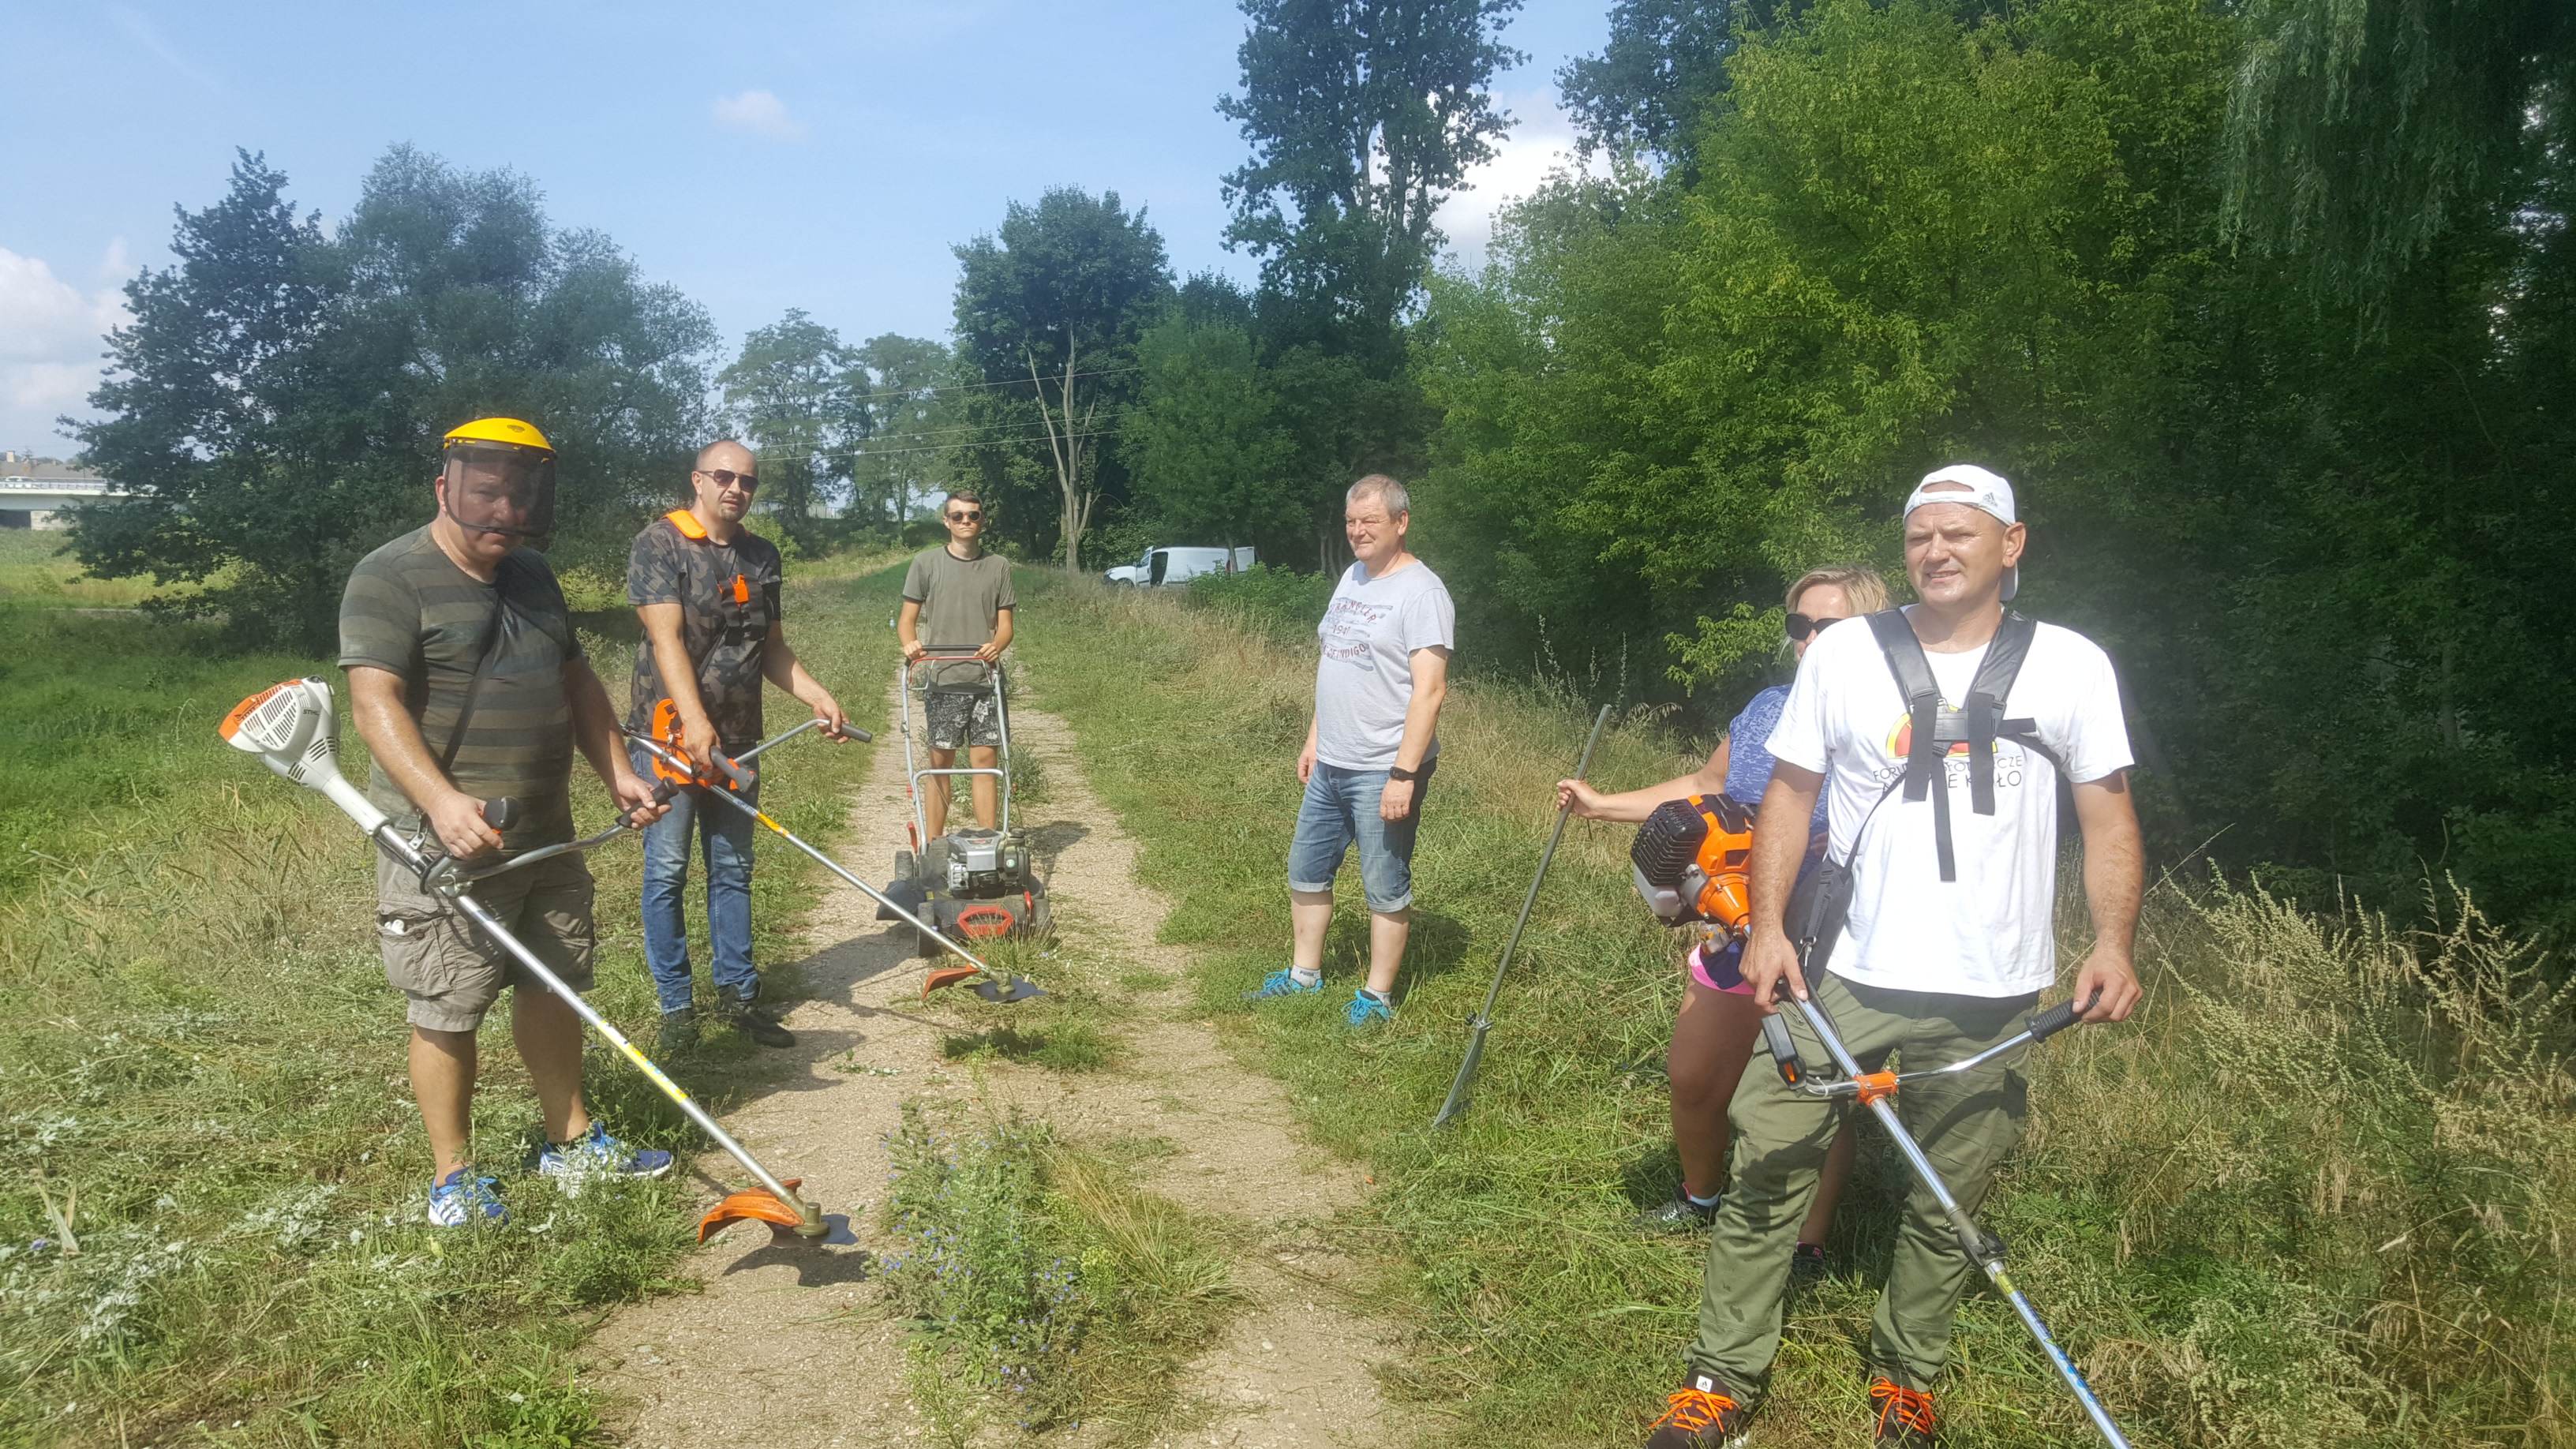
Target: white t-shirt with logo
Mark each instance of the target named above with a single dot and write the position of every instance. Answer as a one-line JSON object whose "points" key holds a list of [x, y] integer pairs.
{"points": [[1991, 932], [1364, 681]]}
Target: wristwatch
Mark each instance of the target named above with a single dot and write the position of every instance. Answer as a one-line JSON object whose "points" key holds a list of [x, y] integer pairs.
{"points": [[1398, 772]]}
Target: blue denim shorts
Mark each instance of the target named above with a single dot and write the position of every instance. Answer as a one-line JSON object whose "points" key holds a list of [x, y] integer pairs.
{"points": [[1340, 809]]}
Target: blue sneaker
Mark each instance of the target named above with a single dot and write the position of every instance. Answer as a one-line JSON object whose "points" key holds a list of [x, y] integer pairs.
{"points": [[596, 1154], [1284, 982], [459, 1199], [1367, 1008]]}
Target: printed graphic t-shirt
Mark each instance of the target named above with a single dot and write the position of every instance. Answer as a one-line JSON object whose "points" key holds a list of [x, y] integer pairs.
{"points": [[1364, 681], [961, 601], [1989, 933], [722, 627], [409, 610]]}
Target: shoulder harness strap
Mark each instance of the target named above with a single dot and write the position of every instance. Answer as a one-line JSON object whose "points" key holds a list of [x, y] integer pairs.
{"points": [[687, 523], [1936, 729]]}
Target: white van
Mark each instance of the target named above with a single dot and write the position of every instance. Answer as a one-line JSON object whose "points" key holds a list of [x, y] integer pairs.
{"points": [[1180, 565]]}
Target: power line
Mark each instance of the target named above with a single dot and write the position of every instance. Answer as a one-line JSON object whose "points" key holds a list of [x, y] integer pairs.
{"points": [[1018, 431], [995, 442], [973, 386]]}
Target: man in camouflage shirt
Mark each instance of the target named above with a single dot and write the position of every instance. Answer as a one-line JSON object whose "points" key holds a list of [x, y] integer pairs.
{"points": [[423, 617], [706, 589]]}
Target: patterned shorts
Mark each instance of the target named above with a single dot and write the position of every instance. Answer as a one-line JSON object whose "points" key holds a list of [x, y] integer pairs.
{"points": [[962, 717]]}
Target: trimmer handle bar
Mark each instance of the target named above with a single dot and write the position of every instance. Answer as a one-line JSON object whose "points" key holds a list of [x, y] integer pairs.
{"points": [[1784, 1053]]}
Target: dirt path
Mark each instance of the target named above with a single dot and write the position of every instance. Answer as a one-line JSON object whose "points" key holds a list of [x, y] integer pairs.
{"points": [[784, 1347]]}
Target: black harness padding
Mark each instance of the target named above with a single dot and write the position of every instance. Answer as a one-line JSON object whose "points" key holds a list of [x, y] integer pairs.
{"points": [[1936, 727]]}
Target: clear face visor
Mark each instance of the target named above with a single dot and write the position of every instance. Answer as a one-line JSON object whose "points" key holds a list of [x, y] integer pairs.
{"points": [[500, 488]]}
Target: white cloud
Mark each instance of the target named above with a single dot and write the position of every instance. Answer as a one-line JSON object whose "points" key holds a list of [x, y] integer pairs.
{"points": [[757, 113], [51, 336], [1542, 141]]}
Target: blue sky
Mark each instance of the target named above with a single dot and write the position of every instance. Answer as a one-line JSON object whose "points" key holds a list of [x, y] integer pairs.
{"points": [[758, 156]]}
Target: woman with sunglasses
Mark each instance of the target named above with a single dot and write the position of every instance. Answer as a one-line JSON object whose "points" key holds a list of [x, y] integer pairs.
{"points": [[1714, 1034]]}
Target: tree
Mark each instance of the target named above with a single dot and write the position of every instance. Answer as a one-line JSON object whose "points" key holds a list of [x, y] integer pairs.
{"points": [[1649, 85], [277, 402], [213, 419], [797, 397], [907, 381], [1362, 116], [1207, 454], [1053, 303], [2360, 132]]}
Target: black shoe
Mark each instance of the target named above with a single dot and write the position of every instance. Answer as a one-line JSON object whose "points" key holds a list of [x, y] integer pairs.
{"points": [[1807, 1264], [1678, 1215], [679, 1031], [1904, 1416], [750, 1020], [1701, 1414]]}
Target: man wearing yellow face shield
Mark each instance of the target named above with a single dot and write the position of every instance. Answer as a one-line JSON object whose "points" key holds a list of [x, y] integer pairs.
{"points": [[468, 683]]}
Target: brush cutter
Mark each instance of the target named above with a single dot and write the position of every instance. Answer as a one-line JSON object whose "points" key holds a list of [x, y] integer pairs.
{"points": [[1873, 1090], [294, 730], [722, 779], [1483, 1021]]}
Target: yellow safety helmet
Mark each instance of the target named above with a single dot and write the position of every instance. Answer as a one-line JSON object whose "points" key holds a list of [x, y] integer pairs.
{"points": [[500, 477], [499, 430]]}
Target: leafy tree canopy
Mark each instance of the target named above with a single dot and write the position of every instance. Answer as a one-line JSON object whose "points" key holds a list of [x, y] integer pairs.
{"points": [[276, 403], [1049, 308]]}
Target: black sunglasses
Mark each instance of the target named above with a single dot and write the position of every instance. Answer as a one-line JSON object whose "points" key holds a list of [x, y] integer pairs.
{"points": [[1800, 626], [971, 515], [726, 478]]}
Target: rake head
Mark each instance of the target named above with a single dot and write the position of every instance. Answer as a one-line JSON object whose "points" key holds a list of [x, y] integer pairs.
{"points": [[758, 1204]]}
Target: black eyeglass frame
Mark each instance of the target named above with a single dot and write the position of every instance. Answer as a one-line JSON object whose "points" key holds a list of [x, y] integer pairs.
{"points": [[1801, 626], [726, 478]]}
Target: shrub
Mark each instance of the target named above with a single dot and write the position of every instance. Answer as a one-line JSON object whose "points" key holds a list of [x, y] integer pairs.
{"points": [[1273, 600]]}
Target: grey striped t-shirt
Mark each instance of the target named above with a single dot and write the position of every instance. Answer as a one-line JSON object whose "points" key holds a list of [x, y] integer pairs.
{"points": [[410, 610]]}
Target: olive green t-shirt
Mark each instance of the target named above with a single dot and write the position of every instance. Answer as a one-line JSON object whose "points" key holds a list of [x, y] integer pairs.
{"points": [[961, 605], [409, 610]]}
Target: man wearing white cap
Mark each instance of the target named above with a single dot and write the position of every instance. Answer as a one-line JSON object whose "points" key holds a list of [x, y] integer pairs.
{"points": [[1947, 857]]}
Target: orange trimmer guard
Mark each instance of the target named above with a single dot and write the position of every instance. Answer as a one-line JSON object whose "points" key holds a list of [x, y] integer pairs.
{"points": [[752, 1203], [938, 976]]}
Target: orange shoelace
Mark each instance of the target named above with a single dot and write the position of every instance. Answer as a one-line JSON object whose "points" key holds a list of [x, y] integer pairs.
{"points": [[1696, 1409], [1909, 1408]]}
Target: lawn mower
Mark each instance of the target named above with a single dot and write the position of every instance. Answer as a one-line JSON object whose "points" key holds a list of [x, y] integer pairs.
{"points": [[969, 883]]}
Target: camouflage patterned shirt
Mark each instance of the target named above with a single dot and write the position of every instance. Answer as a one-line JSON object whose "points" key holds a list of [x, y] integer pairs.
{"points": [[728, 598]]}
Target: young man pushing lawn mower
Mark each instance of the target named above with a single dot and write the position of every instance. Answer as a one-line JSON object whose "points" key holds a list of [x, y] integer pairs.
{"points": [[468, 683], [1941, 876]]}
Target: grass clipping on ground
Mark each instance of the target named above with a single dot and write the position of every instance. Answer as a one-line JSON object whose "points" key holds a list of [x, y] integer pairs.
{"points": [[2314, 1194], [211, 1170]]}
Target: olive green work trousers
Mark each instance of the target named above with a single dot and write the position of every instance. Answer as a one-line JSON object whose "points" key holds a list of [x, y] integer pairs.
{"points": [[1967, 1124]]}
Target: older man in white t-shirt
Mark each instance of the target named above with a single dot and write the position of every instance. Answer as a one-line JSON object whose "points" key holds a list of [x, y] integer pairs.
{"points": [[1945, 946], [1370, 747]]}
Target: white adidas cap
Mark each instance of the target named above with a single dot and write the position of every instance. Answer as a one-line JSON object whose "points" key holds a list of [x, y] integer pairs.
{"points": [[1979, 488]]}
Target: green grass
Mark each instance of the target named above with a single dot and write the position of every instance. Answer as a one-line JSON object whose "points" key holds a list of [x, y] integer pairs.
{"points": [[204, 1067], [1044, 1289], [37, 571], [2314, 1195]]}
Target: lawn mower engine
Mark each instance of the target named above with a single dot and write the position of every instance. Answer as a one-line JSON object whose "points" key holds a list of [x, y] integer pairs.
{"points": [[973, 885]]}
